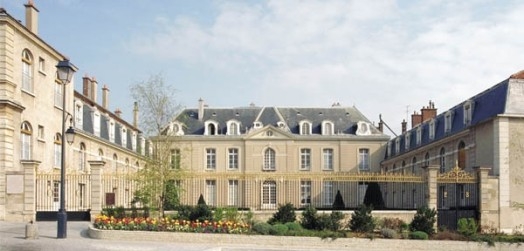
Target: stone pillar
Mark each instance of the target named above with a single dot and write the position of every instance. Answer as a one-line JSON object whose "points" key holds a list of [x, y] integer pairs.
{"points": [[487, 198], [29, 209], [96, 187], [431, 192]]}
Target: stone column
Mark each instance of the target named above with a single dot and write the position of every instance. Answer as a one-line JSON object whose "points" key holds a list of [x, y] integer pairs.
{"points": [[96, 187], [29, 199], [431, 192], [487, 198]]}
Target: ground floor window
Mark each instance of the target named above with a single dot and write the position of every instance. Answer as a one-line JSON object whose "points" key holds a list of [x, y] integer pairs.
{"points": [[305, 192], [269, 194], [233, 193]]}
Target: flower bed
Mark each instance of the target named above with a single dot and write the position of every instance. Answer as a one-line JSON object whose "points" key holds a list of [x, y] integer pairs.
{"points": [[104, 222]]}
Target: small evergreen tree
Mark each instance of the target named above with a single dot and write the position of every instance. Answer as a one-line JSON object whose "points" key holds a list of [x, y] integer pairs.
{"points": [[362, 220], [309, 218], [338, 204], [424, 220], [284, 214], [373, 196], [201, 200]]}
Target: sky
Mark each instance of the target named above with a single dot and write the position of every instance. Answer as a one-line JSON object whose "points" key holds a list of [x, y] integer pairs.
{"points": [[388, 57]]}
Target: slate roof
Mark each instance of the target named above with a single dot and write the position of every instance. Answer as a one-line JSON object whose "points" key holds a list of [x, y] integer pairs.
{"points": [[343, 118], [486, 105]]}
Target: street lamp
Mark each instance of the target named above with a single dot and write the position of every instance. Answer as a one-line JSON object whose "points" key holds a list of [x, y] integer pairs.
{"points": [[65, 71]]}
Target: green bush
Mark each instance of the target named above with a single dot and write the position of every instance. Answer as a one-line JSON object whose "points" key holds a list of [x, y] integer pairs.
{"points": [[330, 221], [278, 229], [284, 214], [184, 212], [467, 226], [309, 218], [389, 233], [120, 212], [201, 200], [338, 204], [361, 220], [373, 196], [231, 214], [394, 223], [201, 212], [424, 220], [218, 214], [109, 211], [418, 235], [294, 226], [262, 228]]}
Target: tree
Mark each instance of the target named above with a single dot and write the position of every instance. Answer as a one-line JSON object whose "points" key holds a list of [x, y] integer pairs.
{"points": [[373, 196], [338, 204], [362, 220], [158, 107]]}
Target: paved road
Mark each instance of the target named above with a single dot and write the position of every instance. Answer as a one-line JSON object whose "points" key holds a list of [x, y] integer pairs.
{"points": [[12, 238]]}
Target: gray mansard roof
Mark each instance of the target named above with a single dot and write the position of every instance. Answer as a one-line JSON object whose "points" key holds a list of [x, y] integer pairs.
{"points": [[344, 119]]}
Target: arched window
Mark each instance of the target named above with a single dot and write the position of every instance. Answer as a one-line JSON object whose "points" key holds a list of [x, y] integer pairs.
{"points": [[269, 194], [100, 154], [426, 159], [327, 128], [27, 71], [233, 128], [414, 165], [58, 150], [127, 165], [211, 128], [269, 159], [115, 163], [462, 155], [442, 159], [26, 133], [82, 154], [305, 128]]}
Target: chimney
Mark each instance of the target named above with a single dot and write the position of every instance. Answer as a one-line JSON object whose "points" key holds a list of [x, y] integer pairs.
{"points": [[380, 123], [135, 115], [105, 97], [94, 88], [86, 86], [118, 112], [428, 112], [31, 17], [416, 119], [200, 109], [404, 124]]}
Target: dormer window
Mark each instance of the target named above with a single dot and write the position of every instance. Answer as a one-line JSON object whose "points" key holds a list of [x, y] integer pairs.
{"points": [[363, 128], [397, 145], [419, 135], [176, 129], [112, 130], [211, 128], [432, 129], [124, 137], [257, 125], [448, 121], [96, 123], [79, 114], [233, 127], [468, 112], [327, 128], [407, 142], [305, 128]]}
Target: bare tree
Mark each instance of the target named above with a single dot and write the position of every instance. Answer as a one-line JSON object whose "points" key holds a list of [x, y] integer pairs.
{"points": [[158, 107]]}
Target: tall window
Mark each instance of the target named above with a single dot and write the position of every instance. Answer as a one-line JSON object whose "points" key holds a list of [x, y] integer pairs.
{"points": [[363, 159], [328, 159], [175, 159], [468, 112], [462, 155], [26, 133], [58, 150], [232, 199], [27, 71], [79, 115], [448, 121], [233, 128], [211, 192], [327, 128], [211, 158], [407, 142], [112, 131], [414, 165], [432, 129], [305, 128], [269, 159], [100, 154], [96, 123], [124, 137], [233, 158], [305, 192], [269, 194], [442, 158], [419, 135], [82, 157], [82, 195], [115, 163], [426, 159], [327, 193], [305, 159], [58, 94]]}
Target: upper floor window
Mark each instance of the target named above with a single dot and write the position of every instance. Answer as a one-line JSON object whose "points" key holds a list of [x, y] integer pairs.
{"points": [[233, 128], [175, 159], [363, 128], [79, 115], [133, 140], [269, 159], [442, 159], [363, 159], [407, 140], [305, 159], [176, 129], [233, 158], [397, 145], [257, 125], [27, 71], [96, 123], [82, 155], [211, 128], [389, 153], [448, 121], [211, 158], [112, 131], [327, 128], [328, 159], [124, 137], [26, 133], [468, 112], [58, 150], [426, 159], [419, 135], [305, 127], [432, 129]]}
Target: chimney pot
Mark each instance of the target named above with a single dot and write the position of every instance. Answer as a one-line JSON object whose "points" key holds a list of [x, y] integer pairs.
{"points": [[31, 17], [105, 97], [201, 109]]}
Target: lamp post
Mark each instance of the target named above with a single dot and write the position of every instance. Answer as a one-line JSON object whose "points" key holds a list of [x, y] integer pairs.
{"points": [[65, 71]]}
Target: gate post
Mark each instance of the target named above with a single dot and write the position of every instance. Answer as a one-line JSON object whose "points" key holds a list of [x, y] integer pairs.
{"points": [[96, 187], [487, 207], [432, 192], [29, 199]]}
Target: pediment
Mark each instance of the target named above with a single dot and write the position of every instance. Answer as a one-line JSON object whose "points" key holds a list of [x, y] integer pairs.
{"points": [[268, 132]]}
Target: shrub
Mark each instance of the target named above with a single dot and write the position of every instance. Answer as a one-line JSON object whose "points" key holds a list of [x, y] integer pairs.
{"points": [[418, 235], [329, 221], [184, 212], [394, 223], [373, 196], [294, 226], [361, 220], [109, 211], [309, 218], [278, 229], [120, 212], [262, 228], [389, 233], [448, 235], [338, 204], [201, 212], [201, 200], [231, 214], [467, 226], [284, 214], [424, 220], [218, 214]]}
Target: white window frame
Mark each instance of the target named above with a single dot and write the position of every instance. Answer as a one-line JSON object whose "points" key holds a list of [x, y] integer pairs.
{"points": [[305, 127], [419, 135], [327, 128], [269, 194], [364, 159], [208, 125], [58, 151], [175, 159], [233, 127], [328, 159], [468, 112], [448, 121], [305, 192], [211, 158], [26, 141], [269, 160], [111, 130], [233, 158], [305, 159], [79, 115], [124, 136], [327, 193], [27, 71], [397, 145], [211, 192], [59, 95], [407, 140], [96, 123], [233, 198], [442, 160]]}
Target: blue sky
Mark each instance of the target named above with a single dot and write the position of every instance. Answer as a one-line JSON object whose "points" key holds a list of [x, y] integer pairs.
{"points": [[384, 57]]}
